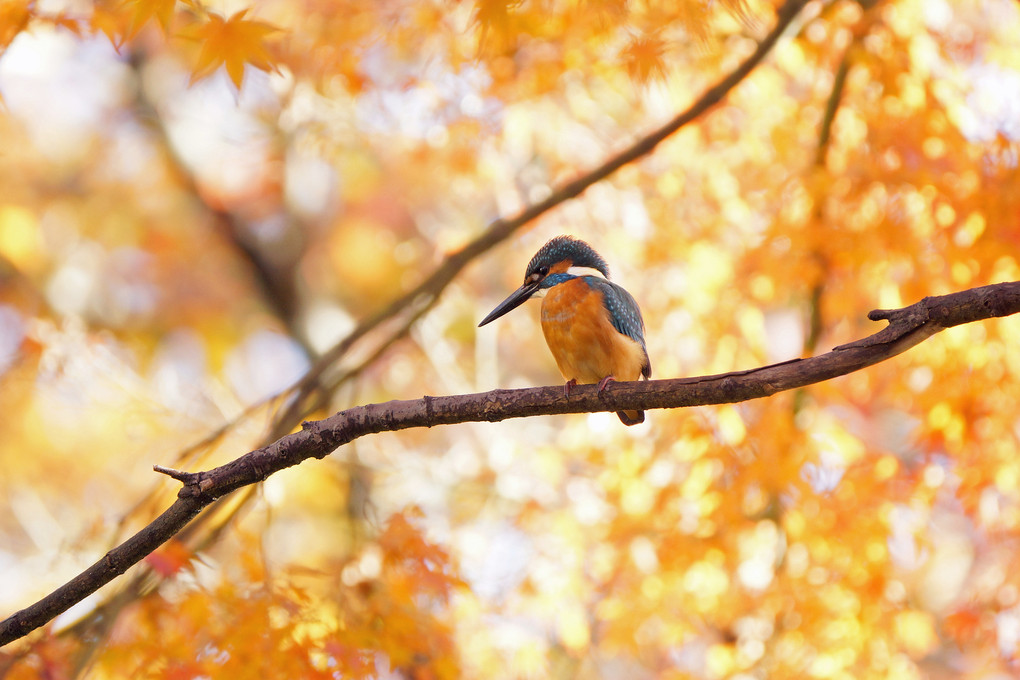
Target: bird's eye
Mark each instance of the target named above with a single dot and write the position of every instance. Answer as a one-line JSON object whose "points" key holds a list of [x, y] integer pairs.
{"points": [[543, 270]]}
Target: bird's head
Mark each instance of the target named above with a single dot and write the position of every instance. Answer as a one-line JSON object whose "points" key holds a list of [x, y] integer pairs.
{"points": [[551, 265]]}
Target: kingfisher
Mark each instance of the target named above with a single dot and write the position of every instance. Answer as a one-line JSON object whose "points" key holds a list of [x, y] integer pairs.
{"points": [[592, 326]]}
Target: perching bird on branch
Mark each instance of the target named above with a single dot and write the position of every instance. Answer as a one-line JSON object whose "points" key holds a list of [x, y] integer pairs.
{"points": [[593, 326]]}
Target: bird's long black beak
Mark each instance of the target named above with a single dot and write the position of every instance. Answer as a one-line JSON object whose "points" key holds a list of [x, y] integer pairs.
{"points": [[516, 299]]}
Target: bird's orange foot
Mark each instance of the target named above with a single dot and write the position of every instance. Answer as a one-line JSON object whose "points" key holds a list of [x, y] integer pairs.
{"points": [[605, 383], [567, 385]]}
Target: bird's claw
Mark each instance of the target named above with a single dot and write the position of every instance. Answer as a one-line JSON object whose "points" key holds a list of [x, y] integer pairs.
{"points": [[567, 385]]}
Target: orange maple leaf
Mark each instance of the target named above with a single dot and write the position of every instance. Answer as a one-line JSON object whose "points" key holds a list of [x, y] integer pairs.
{"points": [[644, 58], [232, 42], [14, 17], [108, 18], [145, 10]]}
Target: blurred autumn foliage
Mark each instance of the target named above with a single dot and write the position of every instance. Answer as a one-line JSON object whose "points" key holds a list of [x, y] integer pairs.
{"points": [[198, 200]]}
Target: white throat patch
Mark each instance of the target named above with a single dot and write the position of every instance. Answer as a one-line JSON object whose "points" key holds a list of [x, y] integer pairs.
{"points": [[585, 271]]}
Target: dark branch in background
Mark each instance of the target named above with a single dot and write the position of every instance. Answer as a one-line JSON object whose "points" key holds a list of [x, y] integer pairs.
{"points": [[389, 325], [271, 270], [817, 294], [831, 107], [907, 327], [815, 323], [274, 274]]}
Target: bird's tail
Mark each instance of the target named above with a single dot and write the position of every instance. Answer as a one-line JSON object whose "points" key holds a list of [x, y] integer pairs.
{"points": [[631, 417]]}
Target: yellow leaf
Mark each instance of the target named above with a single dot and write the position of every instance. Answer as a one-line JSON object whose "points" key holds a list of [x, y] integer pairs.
{"points": [[232, 43], [144, 10]]}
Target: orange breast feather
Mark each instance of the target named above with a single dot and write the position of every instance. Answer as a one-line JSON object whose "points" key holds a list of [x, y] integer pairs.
{"points": [[582, 338]]}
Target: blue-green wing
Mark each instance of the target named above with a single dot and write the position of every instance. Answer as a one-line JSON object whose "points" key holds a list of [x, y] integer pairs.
{"points": [[624, 314]]}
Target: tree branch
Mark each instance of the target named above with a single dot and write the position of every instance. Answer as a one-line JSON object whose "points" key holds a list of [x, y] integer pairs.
{"points": [[907, 327], [832, 107]]}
